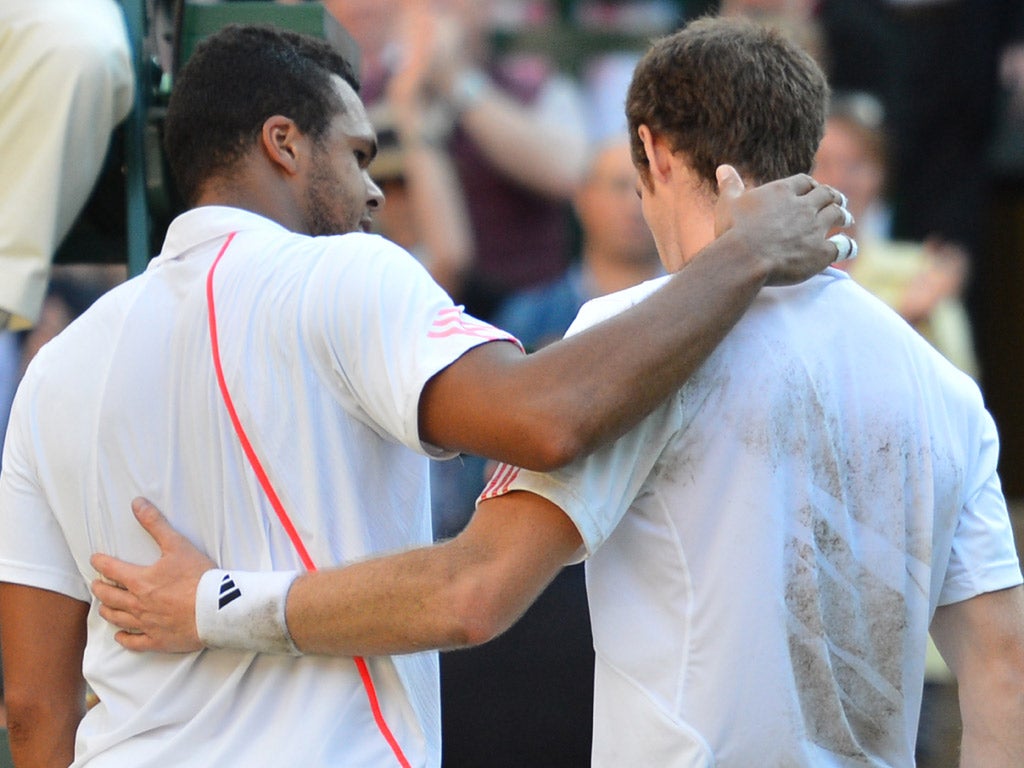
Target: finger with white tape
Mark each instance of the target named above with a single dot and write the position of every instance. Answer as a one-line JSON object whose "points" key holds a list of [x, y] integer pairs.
{"points": [[846, 246]]}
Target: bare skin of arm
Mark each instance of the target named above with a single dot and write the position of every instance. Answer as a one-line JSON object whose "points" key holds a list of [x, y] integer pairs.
{"points": [[982, 641], [462, 592], [530, 148], [43, 639], [557, 404], [570, 397]]}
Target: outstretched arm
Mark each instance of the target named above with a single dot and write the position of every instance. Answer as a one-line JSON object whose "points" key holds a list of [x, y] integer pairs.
{"points": [[43, 638], [463, 592], [565, 400], [982, 641]]}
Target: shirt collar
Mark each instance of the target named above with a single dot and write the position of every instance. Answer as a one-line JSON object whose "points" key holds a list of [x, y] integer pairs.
{"points": [[209, 222]]}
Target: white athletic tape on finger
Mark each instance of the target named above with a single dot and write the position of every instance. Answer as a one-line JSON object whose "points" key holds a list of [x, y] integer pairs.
{"points": [[847, 217], [843, 200], [846, 246], [244, 611]]}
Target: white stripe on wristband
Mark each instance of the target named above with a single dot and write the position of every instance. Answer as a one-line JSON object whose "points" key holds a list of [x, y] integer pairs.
{"points": [[244, 611]]}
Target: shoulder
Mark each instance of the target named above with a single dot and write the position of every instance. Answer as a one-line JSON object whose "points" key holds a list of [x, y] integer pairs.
{"points": [[604, 307], [350, 247], [87, 340], [356, 260], [359, 281]]}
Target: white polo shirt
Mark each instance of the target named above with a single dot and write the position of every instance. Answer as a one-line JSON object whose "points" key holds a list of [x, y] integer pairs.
{"points": [[326, 344], [768, 548]]}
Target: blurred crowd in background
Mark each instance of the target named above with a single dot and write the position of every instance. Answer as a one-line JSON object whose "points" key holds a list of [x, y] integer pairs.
{"points": [[507, 173]]}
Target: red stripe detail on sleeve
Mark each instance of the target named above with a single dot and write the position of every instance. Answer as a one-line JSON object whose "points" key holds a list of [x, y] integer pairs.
{"points": [[451, 321], [500, 481]]}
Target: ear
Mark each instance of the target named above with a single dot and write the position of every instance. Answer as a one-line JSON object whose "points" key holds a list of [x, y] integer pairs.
{"points": [[658, 153], [282, 142]]}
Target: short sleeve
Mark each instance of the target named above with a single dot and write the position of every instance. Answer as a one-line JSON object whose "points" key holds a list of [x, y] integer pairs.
{"points": [[605, 307], [381, 328], [33, 550], [597, 490], [983, 557]]}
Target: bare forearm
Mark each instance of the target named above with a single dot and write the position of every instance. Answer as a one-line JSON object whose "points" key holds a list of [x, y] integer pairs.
{"points": [[463, 592], [539, 155], [993, 723], [44, 737], [544, 410], [459, 593], [982, 640], [401, 604], [639, 358], [43, 639]]}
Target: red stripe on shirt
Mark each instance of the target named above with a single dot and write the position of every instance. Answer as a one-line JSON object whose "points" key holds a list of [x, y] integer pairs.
{"points": [[451, 321], [275, 501], [500, 481]]}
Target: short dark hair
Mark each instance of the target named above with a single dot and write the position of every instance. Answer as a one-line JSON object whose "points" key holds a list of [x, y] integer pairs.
{"points": [[728, 90], [236, 79]]}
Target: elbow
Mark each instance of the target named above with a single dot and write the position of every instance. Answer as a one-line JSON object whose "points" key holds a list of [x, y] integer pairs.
{"points": [[1013, 673], [1008, 663], [571, 172], [560, 179], [476, 628], [557, 177], [24, 709], [34, 713], [480, 610], [560, 453], [555, 445]]}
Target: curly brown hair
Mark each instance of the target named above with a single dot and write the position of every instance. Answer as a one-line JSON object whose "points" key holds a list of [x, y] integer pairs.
{"points": [[728, 90], [234, 81]]}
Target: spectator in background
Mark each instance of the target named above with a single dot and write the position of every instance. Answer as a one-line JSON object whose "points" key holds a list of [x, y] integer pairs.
{"points": [[516, 132], [605, 79], [617, 251], [924, 282], [71, 291], [10, 361], [65, 83], [797, 19], [605, 76], [544, 663], [372, 24], [935, 65], [426, 211]]}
